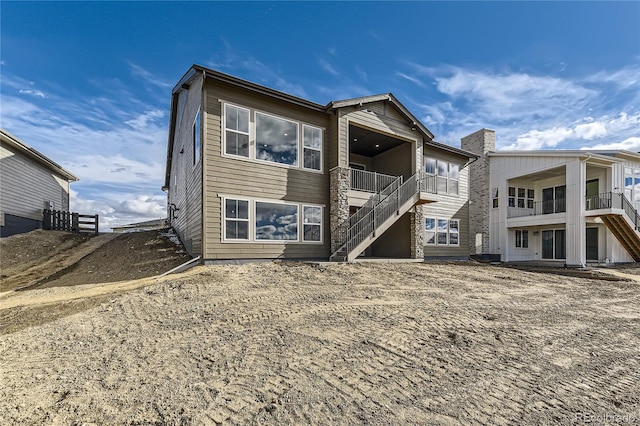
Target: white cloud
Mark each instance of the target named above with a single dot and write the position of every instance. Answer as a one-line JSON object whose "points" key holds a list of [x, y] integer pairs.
{"points": [[536, 139], [528, 111], [32, 92], [590, 130], [325, 65], [414, 80], [629, 144]]}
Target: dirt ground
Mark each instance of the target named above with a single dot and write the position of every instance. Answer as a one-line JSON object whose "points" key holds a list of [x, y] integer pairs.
{"points": [[296, 343]]}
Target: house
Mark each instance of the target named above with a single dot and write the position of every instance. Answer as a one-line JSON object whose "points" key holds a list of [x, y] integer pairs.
{"points": [[255, 173], [569, 207], [29, 183], [149, 225]]}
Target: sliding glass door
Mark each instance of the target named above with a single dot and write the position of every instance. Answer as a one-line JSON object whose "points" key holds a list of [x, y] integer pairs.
{"points": [[554, 244]]}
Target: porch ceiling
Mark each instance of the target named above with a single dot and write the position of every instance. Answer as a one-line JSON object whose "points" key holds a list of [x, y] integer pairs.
{"points": [[544, 174], [369, 143]]}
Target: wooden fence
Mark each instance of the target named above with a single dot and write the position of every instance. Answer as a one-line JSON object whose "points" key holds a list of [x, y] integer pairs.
{"points": [[58, 220]]}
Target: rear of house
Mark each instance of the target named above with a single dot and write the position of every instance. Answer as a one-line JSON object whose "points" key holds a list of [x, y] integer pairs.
{"points": [[253, 173], [30, 182]]}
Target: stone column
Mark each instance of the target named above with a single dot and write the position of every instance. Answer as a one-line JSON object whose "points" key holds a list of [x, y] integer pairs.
{"points": [[339, 209], [417, 232]]}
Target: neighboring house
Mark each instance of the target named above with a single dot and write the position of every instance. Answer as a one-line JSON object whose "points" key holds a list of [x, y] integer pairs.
{"points": [[149, 225], [29, 183], [567, 207], [254, 173]]}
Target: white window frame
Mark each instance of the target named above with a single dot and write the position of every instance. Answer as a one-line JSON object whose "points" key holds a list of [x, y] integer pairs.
{"points": [[224, 220], [302, 224], [311, 148], [254, 127], [252, 152], [255, 225], [436, 231], [224, 131], [444, 177]]}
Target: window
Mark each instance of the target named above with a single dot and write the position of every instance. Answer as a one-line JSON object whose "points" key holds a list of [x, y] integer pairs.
{"points": [[453, 232], [311, 223], [454, 176], [276, 221], [494, 196], [522, 238], [236, 219], [521, 197], [276, 140], [442, 231], [430, 166], [430, 228], [312, 147], [447, 175], [196, 138], [236, 125]]}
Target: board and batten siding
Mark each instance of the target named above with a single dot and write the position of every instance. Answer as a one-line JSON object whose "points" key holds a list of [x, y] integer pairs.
{"points": [[254, 180], [26, 185], [450, 206], [185, 187]]}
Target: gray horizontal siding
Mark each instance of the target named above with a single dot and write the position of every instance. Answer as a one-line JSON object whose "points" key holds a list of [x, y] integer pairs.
{"points": [[256, 180], [26, 185]]}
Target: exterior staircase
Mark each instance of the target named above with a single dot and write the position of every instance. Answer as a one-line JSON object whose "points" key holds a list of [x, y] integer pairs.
{"points": [[377, 215], [625, 226]]}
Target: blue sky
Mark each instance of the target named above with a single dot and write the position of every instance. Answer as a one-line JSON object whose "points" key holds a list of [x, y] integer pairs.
{"points": [[88, 83]]}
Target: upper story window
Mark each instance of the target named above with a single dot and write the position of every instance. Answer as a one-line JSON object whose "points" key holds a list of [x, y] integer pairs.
{"points": [[447, 175], [277, 140], [521, 197], [236, 126], [312, 147]]}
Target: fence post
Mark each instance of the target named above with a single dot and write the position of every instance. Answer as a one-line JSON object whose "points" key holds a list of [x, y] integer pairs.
{"points": [[96, 219]]}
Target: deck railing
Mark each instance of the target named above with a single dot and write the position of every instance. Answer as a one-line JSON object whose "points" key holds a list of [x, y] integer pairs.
{"points": [[556, 205], [362, 180], [613, 200]]}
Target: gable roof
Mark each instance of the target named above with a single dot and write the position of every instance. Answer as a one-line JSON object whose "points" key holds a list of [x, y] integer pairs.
{"points": [[412, 120], [36, 156]]}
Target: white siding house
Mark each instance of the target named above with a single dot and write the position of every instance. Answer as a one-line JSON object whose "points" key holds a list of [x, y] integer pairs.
{"points": [[558, 206], [29, 183]]}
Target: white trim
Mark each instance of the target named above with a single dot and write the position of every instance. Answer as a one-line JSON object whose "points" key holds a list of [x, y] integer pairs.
{"points": [[223, 127], [302, 224], [311, 148], [436, 232], [255, 225], [252, 152], [223, 221]]}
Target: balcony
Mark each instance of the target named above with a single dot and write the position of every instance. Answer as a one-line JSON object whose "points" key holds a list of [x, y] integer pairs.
{"points": [[361, 180], [556, 205]]}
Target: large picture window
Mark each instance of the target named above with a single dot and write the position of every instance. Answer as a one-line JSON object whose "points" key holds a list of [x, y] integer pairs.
{"points": [[442, 232], [236, 125], [236, 219], [276, 221], [276, 140]]}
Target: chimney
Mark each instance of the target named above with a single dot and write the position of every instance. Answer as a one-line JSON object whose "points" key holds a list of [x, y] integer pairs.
{"points": [[480, 143]]}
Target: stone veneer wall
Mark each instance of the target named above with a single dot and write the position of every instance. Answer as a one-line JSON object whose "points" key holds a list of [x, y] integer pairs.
{"points": [[338, 194], [417, 232], [479, 143]]}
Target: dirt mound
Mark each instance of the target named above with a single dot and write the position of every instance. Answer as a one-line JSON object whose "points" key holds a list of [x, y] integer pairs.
{"points": [[42, 259]]}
